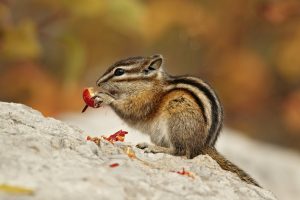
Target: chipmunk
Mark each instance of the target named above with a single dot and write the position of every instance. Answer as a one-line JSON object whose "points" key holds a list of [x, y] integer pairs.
{"points": [[181, 114]]}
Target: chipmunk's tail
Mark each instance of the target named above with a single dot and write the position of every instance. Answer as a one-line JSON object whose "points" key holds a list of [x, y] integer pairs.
{"points": [[229, 166]]}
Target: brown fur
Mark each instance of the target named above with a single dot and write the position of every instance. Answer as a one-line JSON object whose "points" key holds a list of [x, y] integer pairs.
{"points": [[139, 106], [228, 166], [150, 101], [183, 116]]}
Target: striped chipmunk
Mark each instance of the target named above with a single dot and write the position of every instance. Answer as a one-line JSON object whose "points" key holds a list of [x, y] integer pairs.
{"points": [[181, 114]]}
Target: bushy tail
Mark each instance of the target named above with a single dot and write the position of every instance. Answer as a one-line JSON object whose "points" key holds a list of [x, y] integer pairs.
{"points": [[229, 166]]}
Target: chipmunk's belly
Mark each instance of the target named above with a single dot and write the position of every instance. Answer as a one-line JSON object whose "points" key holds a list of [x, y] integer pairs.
{"points": [[160, 133], [157, 129]]}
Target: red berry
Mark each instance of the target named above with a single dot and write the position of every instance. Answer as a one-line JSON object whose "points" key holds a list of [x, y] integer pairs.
{"points": [[88, 95]]}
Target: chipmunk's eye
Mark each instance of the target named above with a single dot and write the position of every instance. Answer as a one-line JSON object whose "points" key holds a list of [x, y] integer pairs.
{"points": [[119, 72]]}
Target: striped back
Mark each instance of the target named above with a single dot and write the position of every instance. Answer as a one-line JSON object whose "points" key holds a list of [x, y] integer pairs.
{"points": [[208, 102]]}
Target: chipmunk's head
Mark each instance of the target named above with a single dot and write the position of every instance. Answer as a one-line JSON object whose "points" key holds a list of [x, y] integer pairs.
{"points": [[133, 75]]}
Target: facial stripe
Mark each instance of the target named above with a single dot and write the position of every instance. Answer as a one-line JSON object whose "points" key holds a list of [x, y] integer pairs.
{"points": [[131, 72], [134, 78], [110, 74], [130, 65], [104, 78], [129, 61], [123, 64]]}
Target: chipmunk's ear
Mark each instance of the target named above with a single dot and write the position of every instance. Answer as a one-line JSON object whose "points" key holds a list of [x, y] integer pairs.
{"points": [[156, 62]]}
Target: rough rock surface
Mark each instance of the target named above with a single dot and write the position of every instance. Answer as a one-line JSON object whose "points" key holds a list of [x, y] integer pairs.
{"points": [[274, 167], [54, 161]]}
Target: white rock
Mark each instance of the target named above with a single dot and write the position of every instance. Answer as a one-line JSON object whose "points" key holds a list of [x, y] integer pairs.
{"points": [[55, 161]]}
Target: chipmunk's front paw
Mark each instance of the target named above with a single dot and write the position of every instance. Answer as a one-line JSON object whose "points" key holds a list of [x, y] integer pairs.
{"points": [[148, 148], [152, 148], [142, 145]]}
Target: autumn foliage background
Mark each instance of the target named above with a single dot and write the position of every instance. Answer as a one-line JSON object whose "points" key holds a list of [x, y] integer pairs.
{"points": [[249, 50]]}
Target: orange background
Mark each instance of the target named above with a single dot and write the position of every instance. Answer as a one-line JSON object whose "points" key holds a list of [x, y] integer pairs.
{"points": [[248, 50]]}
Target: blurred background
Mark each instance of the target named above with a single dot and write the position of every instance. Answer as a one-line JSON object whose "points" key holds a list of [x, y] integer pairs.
{"points": [[248, 50]]}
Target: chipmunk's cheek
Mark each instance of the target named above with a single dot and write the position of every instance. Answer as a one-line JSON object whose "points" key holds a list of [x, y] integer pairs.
{"points": [[103, 86], [117, 95]]}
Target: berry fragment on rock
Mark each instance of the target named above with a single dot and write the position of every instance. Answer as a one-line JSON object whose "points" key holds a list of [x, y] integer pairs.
{"points": [[114, 165], [118, 136]]}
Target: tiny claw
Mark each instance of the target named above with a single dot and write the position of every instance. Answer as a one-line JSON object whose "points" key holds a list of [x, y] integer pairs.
{"points": [[142, 145], [148, 151], [97, 101]]}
